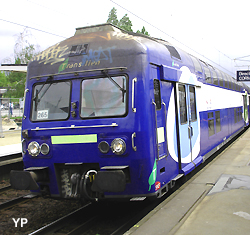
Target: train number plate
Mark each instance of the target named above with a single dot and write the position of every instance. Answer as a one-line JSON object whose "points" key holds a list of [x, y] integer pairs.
{"points": [[42, 114]]}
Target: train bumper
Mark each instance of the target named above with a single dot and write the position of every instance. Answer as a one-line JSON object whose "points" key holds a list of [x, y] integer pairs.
{"points": [[27, 180], [109, 181]]}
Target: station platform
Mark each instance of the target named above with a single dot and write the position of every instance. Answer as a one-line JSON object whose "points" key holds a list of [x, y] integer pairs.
{"points": [[214, 201], [10, 143]]}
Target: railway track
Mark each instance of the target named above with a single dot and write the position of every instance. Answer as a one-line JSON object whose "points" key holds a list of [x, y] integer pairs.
{"points": [[100, 218], [9, 197], [5, 188]]}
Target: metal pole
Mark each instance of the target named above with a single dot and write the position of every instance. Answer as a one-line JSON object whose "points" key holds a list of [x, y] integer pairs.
{"points": [[1, 128]]}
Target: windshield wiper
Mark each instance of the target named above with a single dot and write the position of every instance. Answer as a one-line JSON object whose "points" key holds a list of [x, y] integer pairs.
{"points": [[116, 84], [35, 98]]}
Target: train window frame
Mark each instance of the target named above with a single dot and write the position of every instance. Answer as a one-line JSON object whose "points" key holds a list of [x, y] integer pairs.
{"points": [[173, 52], [226, 80], [197, 65], [217, 121], [210, 120], [157, 93], [207, 73], [124, 97], [215, 78], [192, 103], [237, 114], [222, 80], [182, 105], [43, 113]]}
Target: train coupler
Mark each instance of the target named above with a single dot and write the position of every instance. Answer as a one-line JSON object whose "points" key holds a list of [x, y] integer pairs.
{"points": [[75, 185]]}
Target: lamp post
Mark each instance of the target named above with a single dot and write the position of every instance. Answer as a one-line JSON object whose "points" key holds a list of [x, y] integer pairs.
{"points": [[2, 91]]}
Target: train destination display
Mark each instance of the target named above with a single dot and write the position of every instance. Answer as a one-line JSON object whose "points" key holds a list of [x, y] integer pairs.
{"points": [[243, 75]]}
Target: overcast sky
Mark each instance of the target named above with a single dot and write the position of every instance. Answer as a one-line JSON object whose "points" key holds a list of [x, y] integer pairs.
{"points": [[214, 29]]}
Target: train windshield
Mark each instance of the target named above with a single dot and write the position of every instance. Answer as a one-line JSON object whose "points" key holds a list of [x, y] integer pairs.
{"points": [[51, 101], [103, 97]]}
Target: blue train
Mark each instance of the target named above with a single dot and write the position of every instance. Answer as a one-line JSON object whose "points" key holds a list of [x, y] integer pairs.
{"points": [[111, 114]]}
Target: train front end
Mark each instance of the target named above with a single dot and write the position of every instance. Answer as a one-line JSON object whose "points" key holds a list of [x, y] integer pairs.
{"points": [[83, 120]]}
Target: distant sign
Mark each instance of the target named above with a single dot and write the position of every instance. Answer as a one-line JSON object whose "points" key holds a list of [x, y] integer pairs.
{"points": [[243, 76]]}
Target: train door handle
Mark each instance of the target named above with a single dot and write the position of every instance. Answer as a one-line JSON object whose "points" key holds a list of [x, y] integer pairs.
{"points": [[190, 132], [133, 94], [133, 143]]}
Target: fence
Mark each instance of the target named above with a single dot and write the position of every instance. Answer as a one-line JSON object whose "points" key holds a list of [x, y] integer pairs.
{"points": [[10, 108]]}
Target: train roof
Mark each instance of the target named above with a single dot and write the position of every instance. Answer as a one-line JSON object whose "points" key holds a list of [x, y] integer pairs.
{"points": [[107, 46]]}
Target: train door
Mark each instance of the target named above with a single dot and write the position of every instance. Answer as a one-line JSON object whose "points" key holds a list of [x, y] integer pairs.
{"points": [[188, 125], [160, 121], [245, 108]]}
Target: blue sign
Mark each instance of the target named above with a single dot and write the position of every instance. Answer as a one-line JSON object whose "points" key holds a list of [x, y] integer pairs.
{"points": [[243, 76]]}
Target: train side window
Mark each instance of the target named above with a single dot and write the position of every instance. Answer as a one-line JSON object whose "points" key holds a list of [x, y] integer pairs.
{"points": [[230, 82], [208, 78], [197, 65], [157, 94], [192, 100], [211, 130], [226, 80], [237, 114], [217, 121], [215, 79], [182, 104], [173, 52], [221, 79]]}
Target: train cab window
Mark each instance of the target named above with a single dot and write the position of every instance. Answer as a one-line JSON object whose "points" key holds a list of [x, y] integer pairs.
{"points": [[51, 101], [103, 97], [157, 94], [192, 100], [182, 104]]}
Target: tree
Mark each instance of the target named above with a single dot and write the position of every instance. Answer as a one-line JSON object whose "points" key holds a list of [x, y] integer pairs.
{"points": [[124, 23], [3, 80], [112, 18], [143, 31], [23, 52]]}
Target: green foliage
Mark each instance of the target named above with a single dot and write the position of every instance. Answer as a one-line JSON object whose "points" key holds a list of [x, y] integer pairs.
{"points": [[124, 23], [16, 85], [143, 31], [3, 80], [112, 18], [25, 54], [15, 81]]}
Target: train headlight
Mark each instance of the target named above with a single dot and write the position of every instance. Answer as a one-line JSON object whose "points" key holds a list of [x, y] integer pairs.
{"points": [[118, 146], [44, 149], [103, 147], [33, 148]]}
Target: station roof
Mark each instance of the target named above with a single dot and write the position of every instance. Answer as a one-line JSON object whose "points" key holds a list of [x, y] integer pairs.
{"points": [[14, 67]]}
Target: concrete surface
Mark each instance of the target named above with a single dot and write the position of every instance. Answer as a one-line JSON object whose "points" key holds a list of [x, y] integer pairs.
{"points": [[215, 201]]}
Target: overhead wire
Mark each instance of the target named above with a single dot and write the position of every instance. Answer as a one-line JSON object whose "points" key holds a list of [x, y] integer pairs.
{"points": [[33, 28], [174, 38]]}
